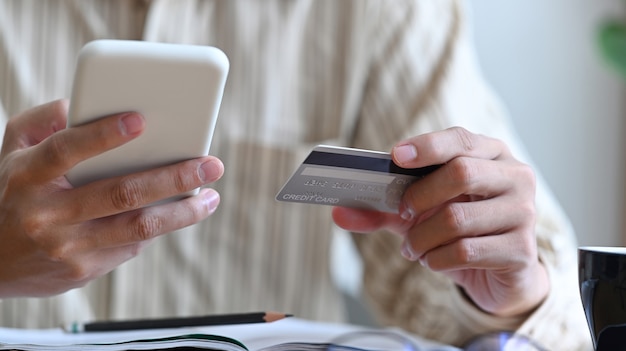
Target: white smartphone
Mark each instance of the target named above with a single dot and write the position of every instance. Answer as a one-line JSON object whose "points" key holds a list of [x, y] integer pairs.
{"points": [[177, 88]]}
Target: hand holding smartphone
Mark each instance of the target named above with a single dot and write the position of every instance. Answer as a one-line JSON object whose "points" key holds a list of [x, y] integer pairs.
{"points": [[177, 88]]}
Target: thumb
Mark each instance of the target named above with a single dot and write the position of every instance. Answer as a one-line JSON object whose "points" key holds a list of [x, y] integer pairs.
{"points": [[32, 126]]}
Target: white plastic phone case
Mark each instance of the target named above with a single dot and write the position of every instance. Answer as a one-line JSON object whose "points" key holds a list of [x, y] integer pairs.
{"points": [[178, 88]]}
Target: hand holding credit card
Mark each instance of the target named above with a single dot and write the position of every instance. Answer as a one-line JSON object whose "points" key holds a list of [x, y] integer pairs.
{"points": [[348, 177]]}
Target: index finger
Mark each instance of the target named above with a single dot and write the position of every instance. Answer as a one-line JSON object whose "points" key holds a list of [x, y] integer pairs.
{"points": [[442, 146]]}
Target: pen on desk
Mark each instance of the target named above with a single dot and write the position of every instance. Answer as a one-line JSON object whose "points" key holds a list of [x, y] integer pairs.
{"points": [[223, 319]]}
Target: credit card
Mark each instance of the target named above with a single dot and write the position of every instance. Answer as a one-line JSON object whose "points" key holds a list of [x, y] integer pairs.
{"points": [[348, 177]]}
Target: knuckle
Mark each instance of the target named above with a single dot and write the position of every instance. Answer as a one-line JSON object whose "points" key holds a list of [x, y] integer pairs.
{"points": [[128, 193], [195, 212], [60, 252], [73, 210], [527, 232], [463, 172], [35, 224], [465, 138], [527, 173], [59, 107], [525, 250], [58, 151], [529, 247], [455, 217], [465, 252], [145, 226], [79, 274], [501, 145], [182, 181], [527, 210]]}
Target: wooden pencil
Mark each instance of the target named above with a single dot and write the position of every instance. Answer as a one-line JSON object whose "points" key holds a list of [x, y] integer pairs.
{"points": [[163, 323]]}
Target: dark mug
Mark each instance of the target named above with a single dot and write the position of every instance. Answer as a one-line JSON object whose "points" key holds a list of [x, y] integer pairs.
{"points": [[602, 282]]}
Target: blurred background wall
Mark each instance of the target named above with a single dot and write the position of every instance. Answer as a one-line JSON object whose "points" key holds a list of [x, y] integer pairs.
{"points": [[569, 108]]}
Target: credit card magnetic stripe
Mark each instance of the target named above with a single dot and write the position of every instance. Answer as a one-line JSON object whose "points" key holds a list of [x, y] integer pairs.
{"points": [[366, 163]]}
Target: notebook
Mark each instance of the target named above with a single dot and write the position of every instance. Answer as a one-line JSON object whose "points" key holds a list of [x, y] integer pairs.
{"points": [[288, 334]]}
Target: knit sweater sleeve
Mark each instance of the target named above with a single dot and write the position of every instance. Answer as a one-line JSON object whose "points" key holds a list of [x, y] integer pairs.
{"points": [[425, 77]]}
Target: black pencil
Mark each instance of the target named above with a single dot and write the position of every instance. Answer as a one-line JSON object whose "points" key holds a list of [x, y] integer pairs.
{"points": [[223, 319]]}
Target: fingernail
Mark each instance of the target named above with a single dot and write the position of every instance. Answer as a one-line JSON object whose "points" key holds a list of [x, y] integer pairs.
{"points": [[407, 251], [209, 171], [212, 199], [407, 214], [405, 153], [131, 123]]}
